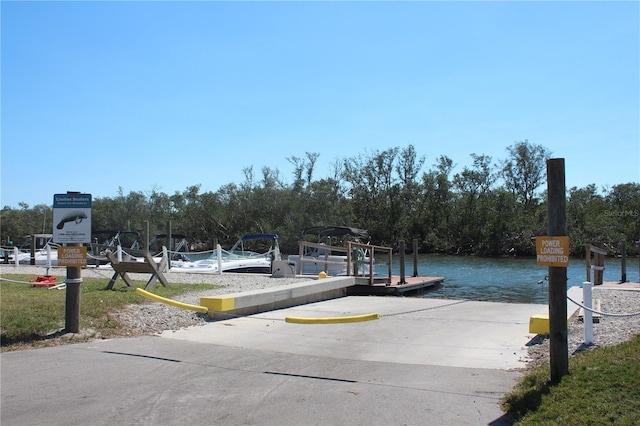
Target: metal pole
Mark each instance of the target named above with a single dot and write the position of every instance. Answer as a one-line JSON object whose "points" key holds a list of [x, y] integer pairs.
{"points": [[557, 215]]}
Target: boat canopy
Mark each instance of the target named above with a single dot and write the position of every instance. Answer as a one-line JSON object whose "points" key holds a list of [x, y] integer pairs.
{"points": [[336, 231], [247, 237], [257, 236]]}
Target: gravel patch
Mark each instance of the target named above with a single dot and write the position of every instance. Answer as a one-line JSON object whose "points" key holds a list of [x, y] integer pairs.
{"points": [[154, 317], [609, 331], [158, 317]]}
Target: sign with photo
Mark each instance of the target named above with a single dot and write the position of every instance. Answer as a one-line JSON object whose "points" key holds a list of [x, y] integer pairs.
{"points": [[72, 218]]}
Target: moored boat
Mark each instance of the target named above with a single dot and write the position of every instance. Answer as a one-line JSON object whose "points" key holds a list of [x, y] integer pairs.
{"points": [[328, 253], [36, 249], [239, 258]]}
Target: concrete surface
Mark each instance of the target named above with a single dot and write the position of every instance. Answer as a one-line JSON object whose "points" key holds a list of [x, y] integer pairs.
{"points": [[411, 331], [277, 297], [424, 362]]}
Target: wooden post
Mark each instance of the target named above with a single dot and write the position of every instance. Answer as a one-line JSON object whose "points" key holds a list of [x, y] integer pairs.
{"points": [[623, 263], [32, 257], [170, 244], [415, 257], [557, 216], [403, 276], [72, 298], [638, 245], [588, 247], [146, 236]]}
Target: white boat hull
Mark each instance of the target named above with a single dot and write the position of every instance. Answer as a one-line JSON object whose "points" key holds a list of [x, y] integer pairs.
{"points": [[210, 266], [42, 258]]}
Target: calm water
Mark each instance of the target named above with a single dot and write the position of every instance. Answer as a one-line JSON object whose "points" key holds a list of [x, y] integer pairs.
{"points": [[499, 280], [502, 280]]}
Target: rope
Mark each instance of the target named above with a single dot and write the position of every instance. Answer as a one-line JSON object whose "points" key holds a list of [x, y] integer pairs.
{"points": [[100, 274], [55, 287], [93, 256], [192, 252], [632, 314], [425, 309], [14, 281], [538, 282]]}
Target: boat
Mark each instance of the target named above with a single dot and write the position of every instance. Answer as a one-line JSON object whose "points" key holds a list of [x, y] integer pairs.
{"points": [[177, 244], [45, 252], [108, 241], [328, 251], [239, 258], [131, 245]]}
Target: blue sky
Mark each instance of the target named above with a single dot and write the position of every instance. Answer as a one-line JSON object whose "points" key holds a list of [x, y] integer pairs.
{"points": [[98, 96]]}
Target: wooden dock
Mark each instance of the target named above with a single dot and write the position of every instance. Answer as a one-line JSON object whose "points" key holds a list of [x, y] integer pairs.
{"points": [[382, 286]]}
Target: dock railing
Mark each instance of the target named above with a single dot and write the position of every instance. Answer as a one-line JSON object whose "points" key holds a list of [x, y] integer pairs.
{"points": [[327, 250], [595, 263], [356, 254], [355, 260]]}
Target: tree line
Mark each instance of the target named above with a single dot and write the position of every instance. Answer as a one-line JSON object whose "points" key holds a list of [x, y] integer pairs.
{"points": [[490, 208]]}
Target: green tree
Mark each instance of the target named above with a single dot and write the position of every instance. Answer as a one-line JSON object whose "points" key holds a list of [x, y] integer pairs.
{"points": [[586, 222], [373, 192], [436, 208], [525, 170], [622, 214], [473, 185], [408, 168], [16, 224]]}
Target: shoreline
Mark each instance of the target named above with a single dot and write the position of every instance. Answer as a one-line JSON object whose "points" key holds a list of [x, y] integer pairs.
{"points": [[153, 318]]}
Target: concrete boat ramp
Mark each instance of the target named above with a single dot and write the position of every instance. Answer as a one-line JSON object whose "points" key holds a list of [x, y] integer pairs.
{"points": [[424, 361], [268, 299], [255, 371]]}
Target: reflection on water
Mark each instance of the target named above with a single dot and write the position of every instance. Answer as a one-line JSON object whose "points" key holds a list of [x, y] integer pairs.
{"points": [[502, 280]]}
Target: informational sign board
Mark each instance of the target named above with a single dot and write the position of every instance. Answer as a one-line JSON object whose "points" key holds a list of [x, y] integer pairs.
{"points": [[72, 218], [75, 256], [552, 251]]}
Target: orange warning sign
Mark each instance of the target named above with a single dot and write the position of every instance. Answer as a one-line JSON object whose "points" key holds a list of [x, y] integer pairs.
{"points": [[72, 256], [552, 251]]}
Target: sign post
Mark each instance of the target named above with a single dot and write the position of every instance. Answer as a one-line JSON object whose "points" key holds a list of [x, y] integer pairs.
{"points": [[556, 256], [72, 227]]}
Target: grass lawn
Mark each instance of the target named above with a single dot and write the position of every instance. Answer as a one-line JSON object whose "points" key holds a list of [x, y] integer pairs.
{"points": [[34, 316], [603, 388]]}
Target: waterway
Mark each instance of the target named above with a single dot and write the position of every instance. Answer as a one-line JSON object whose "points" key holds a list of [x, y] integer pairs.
{"points": [[502, 279], [513, 280]]}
